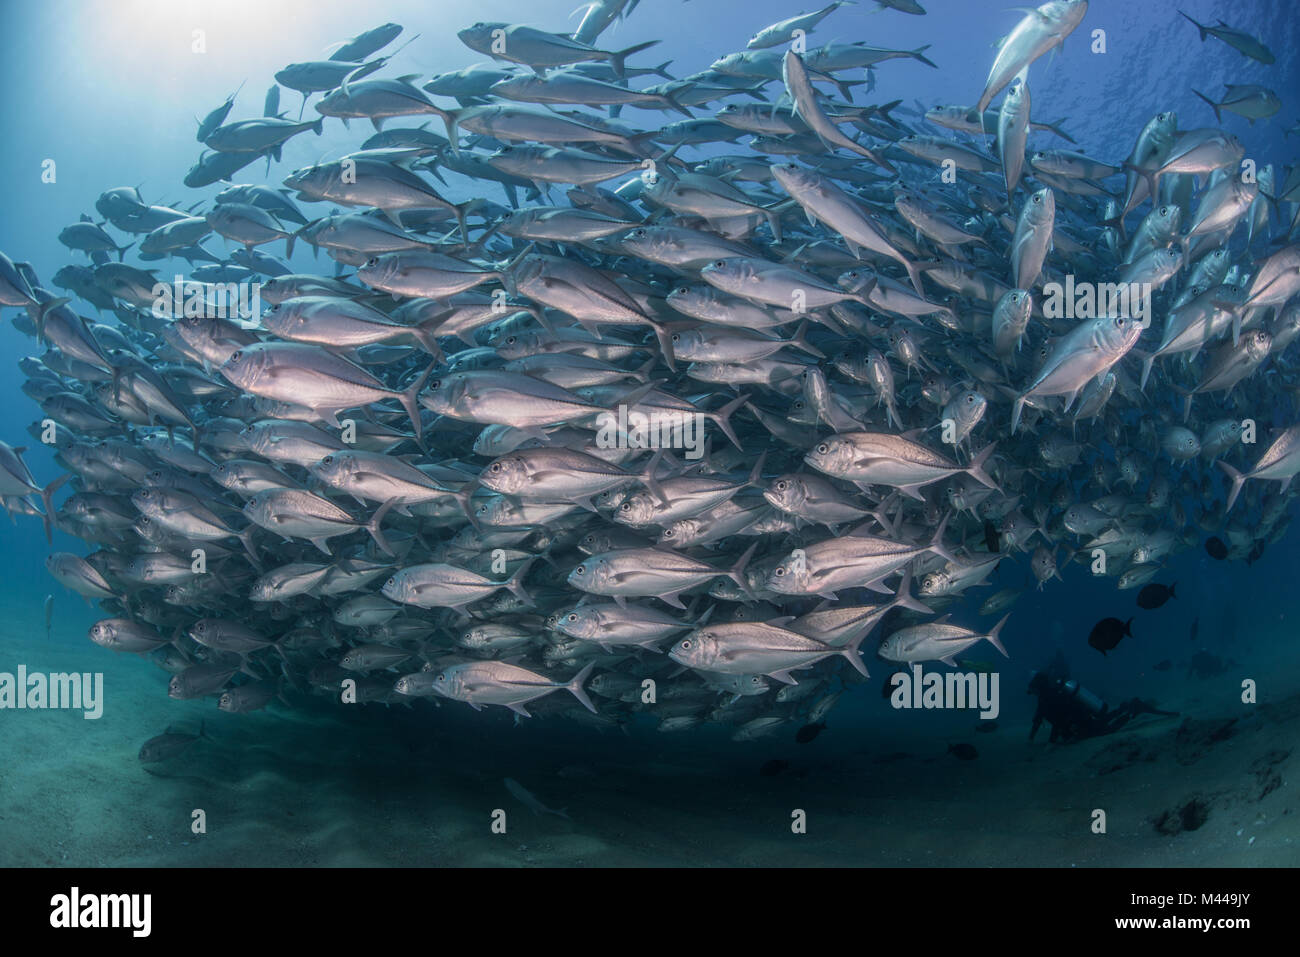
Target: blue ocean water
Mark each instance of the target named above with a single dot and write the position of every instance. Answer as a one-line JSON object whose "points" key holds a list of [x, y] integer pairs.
{"points": [[110, 93]]}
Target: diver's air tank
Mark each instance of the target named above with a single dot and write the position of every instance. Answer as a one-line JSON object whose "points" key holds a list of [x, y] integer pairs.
{"points": [[1085, 697]]}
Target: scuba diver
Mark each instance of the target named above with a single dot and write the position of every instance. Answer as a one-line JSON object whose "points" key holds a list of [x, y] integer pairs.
{"points": [[1076, 713]]}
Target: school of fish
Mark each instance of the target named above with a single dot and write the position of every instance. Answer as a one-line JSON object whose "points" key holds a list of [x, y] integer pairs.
{"points": [[677, 423]]}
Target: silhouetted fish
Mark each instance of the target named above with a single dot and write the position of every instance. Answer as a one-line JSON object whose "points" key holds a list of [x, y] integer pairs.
{"points": [[1108, 633], [1155, 595], [809, 731]]}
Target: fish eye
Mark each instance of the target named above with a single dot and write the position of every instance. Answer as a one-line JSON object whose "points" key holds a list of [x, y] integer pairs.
{"points": [[780, 571], [823, 448], [581, 570], [328, 460], [626, 506], [573, 617], [495, 467], [236, 355], [719, 263], [782, 485], [1037, 198], [970, 400], [391, 582], [669, 533], [686, 644], [435, 384]]}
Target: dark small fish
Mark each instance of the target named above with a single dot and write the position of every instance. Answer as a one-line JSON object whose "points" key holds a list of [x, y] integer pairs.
{"points": [[1163, 665], [1196, 627], [167, 745], [1108, 633], [992, 541], [774, 767], [965, 752], [809, 731], [986, 726], [1154, 595], [1218, 551]]}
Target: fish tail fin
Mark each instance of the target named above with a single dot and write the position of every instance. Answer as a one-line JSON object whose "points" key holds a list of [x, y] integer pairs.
{"points": [[462, 211], [674, 105], [903, 596], [862, 293], [800, 341], [426, 336], [737, 571], [936, 543], [976, 469], [919, 54], [575, 688], [462, 498], [616, 58], [854, 656], [319, 126], [773, 218], [516, 582], [1147, 362], [39, 312], [756, 473], [1214, 106], [373, 526], [1056, 128], [914, 274], [648, 476], [1238, 480], [1151, 177], [722, 418], [1199, 27], [996, 641], [246, 539], [410, 402], [1016, 408], [47, 500]]}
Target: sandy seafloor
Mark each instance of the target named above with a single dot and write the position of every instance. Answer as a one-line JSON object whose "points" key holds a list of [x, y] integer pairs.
{"points": [[374, 786]]}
